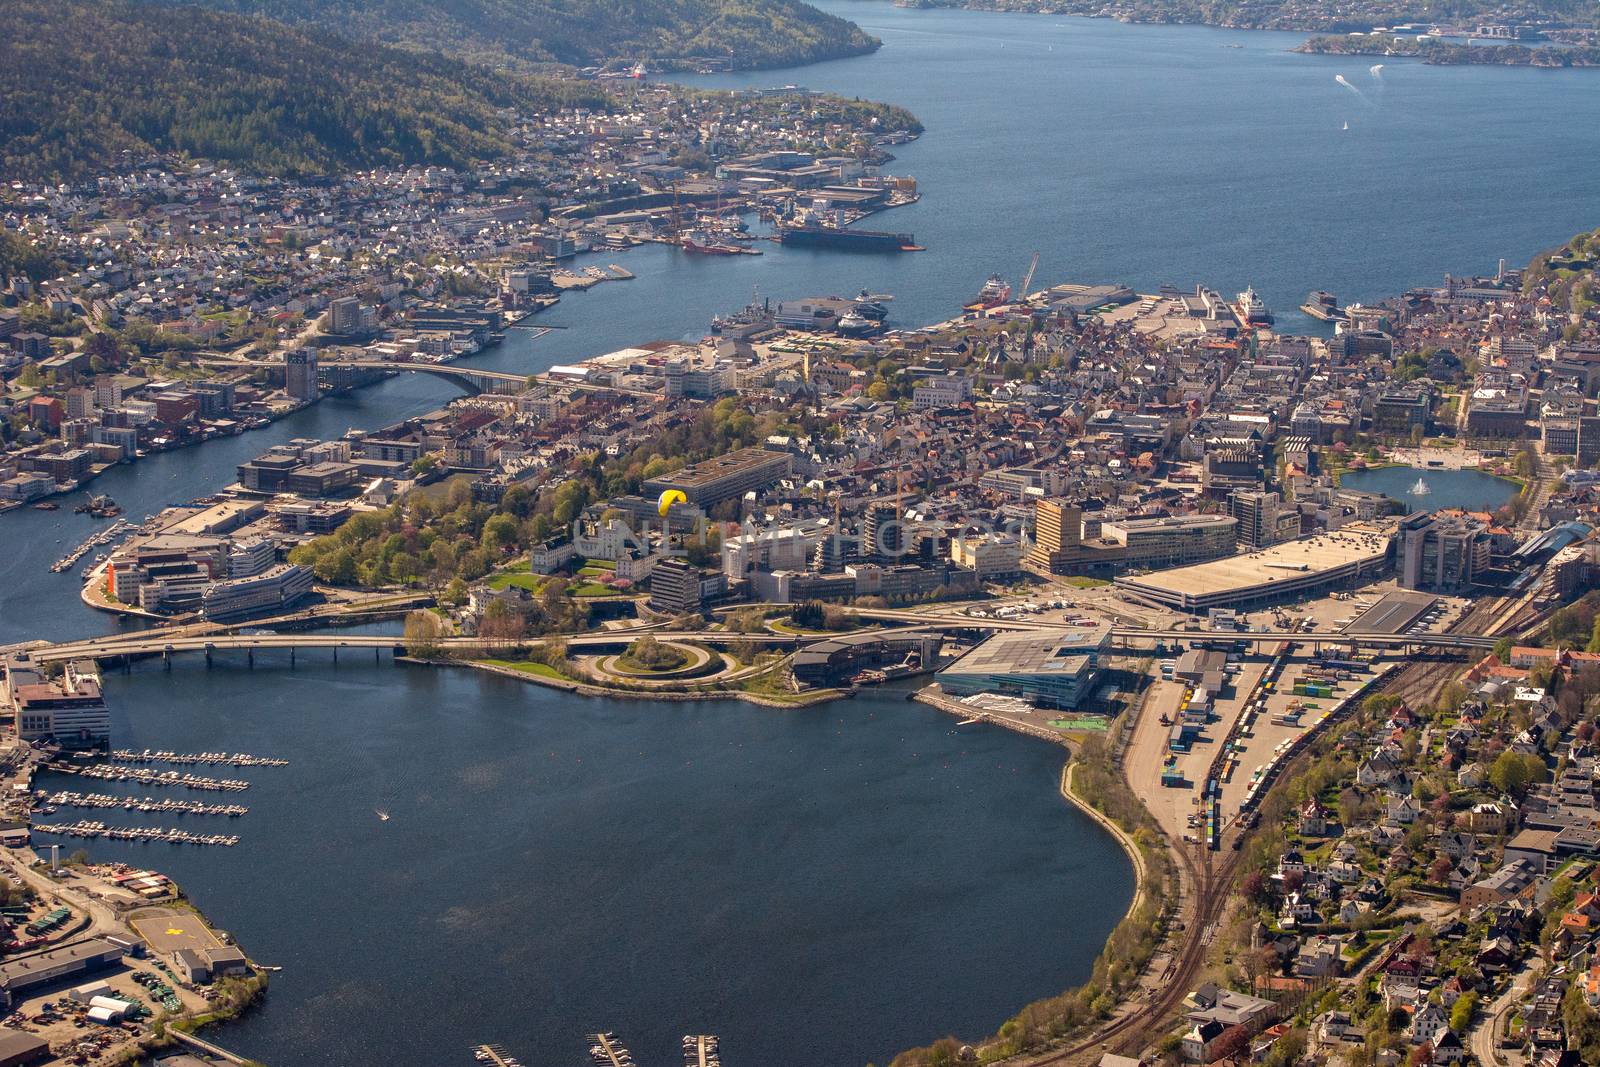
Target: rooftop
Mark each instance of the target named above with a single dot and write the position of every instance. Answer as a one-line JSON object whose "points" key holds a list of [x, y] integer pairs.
{"points": [[1356, 543]]}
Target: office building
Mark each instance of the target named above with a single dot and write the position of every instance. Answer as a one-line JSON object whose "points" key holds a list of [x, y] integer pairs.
{"points": [[1441, 551], [1256, 513], [273, 589], [1172, 542], [300, 374], [728, 477], [70, 710]]}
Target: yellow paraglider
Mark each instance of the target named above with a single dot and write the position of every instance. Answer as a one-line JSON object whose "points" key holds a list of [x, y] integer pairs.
{"points": [[669, 498]]}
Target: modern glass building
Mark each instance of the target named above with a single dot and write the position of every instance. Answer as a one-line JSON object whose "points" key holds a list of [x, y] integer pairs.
{"points": [[1048, 668]]}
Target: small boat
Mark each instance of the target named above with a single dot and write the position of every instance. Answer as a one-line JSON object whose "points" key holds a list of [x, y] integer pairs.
{"points": [[383, 816], [47, 505]]}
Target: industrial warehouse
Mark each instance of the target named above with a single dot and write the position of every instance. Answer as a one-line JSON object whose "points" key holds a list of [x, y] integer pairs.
{"points": [[1345, 557]]}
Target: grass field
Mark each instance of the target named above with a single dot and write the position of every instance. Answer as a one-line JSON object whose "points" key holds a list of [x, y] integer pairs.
{"points": [[527, 667]]}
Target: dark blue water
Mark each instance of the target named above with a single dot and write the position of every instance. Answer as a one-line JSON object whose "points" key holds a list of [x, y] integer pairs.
{"points": [[823, 886], [1473, 490]]}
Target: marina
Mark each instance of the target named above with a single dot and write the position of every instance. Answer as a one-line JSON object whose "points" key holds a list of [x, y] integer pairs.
{"points": [[214, 759], [609, 1051], [144, 805], [108, 773], [104, 537], [170, 835], [701, 1050]]}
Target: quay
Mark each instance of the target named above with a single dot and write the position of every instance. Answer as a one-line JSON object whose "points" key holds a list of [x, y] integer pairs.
{"points": [[171, 835]]}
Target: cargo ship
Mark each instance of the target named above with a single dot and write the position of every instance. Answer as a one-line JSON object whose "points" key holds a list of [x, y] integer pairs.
{"points": [[814, 235]]}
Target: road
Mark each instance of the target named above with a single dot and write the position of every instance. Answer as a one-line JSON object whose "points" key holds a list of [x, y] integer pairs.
{"points": [[102, 917], [1482, 1036]]}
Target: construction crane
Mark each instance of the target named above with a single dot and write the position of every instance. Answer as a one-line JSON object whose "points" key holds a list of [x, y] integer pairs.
{"points": [[1027, 279]]}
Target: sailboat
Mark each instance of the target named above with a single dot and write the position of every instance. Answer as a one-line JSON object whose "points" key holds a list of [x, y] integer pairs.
{"points": [[1347, 125]]}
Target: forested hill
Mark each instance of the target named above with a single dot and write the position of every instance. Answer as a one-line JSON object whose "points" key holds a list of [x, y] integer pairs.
{"points": [[752, 33], [81, 81]]}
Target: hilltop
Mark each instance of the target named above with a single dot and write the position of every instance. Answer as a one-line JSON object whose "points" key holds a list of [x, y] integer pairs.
{"points": [[745, 33], [82, 82]]}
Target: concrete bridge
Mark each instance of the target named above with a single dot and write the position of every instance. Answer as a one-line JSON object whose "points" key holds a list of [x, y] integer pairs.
{"points": [[158, 643], [480, 380], [168, 643]]}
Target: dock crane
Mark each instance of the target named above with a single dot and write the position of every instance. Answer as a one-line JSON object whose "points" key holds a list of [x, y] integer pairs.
{"points": [[1027, 279]]}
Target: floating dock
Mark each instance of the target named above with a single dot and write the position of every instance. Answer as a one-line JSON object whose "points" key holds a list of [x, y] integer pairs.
{"points": [[215, 759], [609, 1051], [701, 1050]]}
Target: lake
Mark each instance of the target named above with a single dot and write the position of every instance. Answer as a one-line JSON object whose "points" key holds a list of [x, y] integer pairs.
{"points": [[1468, 489]]}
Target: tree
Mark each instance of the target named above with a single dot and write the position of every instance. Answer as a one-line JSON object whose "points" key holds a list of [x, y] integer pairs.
{"points": [[422, 632], [1502, 649], [336, 568], [1512, 772], [1440, 869], [502, 622], [1461, 1012], [1232, 1044]]}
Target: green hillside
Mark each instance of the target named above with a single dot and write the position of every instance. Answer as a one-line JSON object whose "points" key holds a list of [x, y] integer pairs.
{"points": [[753, 33], [82, 81]]}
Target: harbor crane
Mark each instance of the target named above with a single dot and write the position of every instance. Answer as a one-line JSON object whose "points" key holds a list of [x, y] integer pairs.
{"points": [[1027, 279]]}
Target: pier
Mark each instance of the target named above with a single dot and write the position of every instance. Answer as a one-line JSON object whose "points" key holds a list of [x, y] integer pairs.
{"points": [[237, 759], [170, 835], [107, 773], [494, 1056], [701, 1050], [106, 536], [146, 805], [609, 1051]]}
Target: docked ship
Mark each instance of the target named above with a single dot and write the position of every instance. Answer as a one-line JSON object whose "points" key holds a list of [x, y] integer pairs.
{"points": [[995, 291], [812, 234], [1322, 306], [854, 324], [701, 243], [101, 507], [871, 305], [1252, 310]]}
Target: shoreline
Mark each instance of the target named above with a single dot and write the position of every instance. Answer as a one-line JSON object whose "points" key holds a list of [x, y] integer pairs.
{"points": [[802, 700]]}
